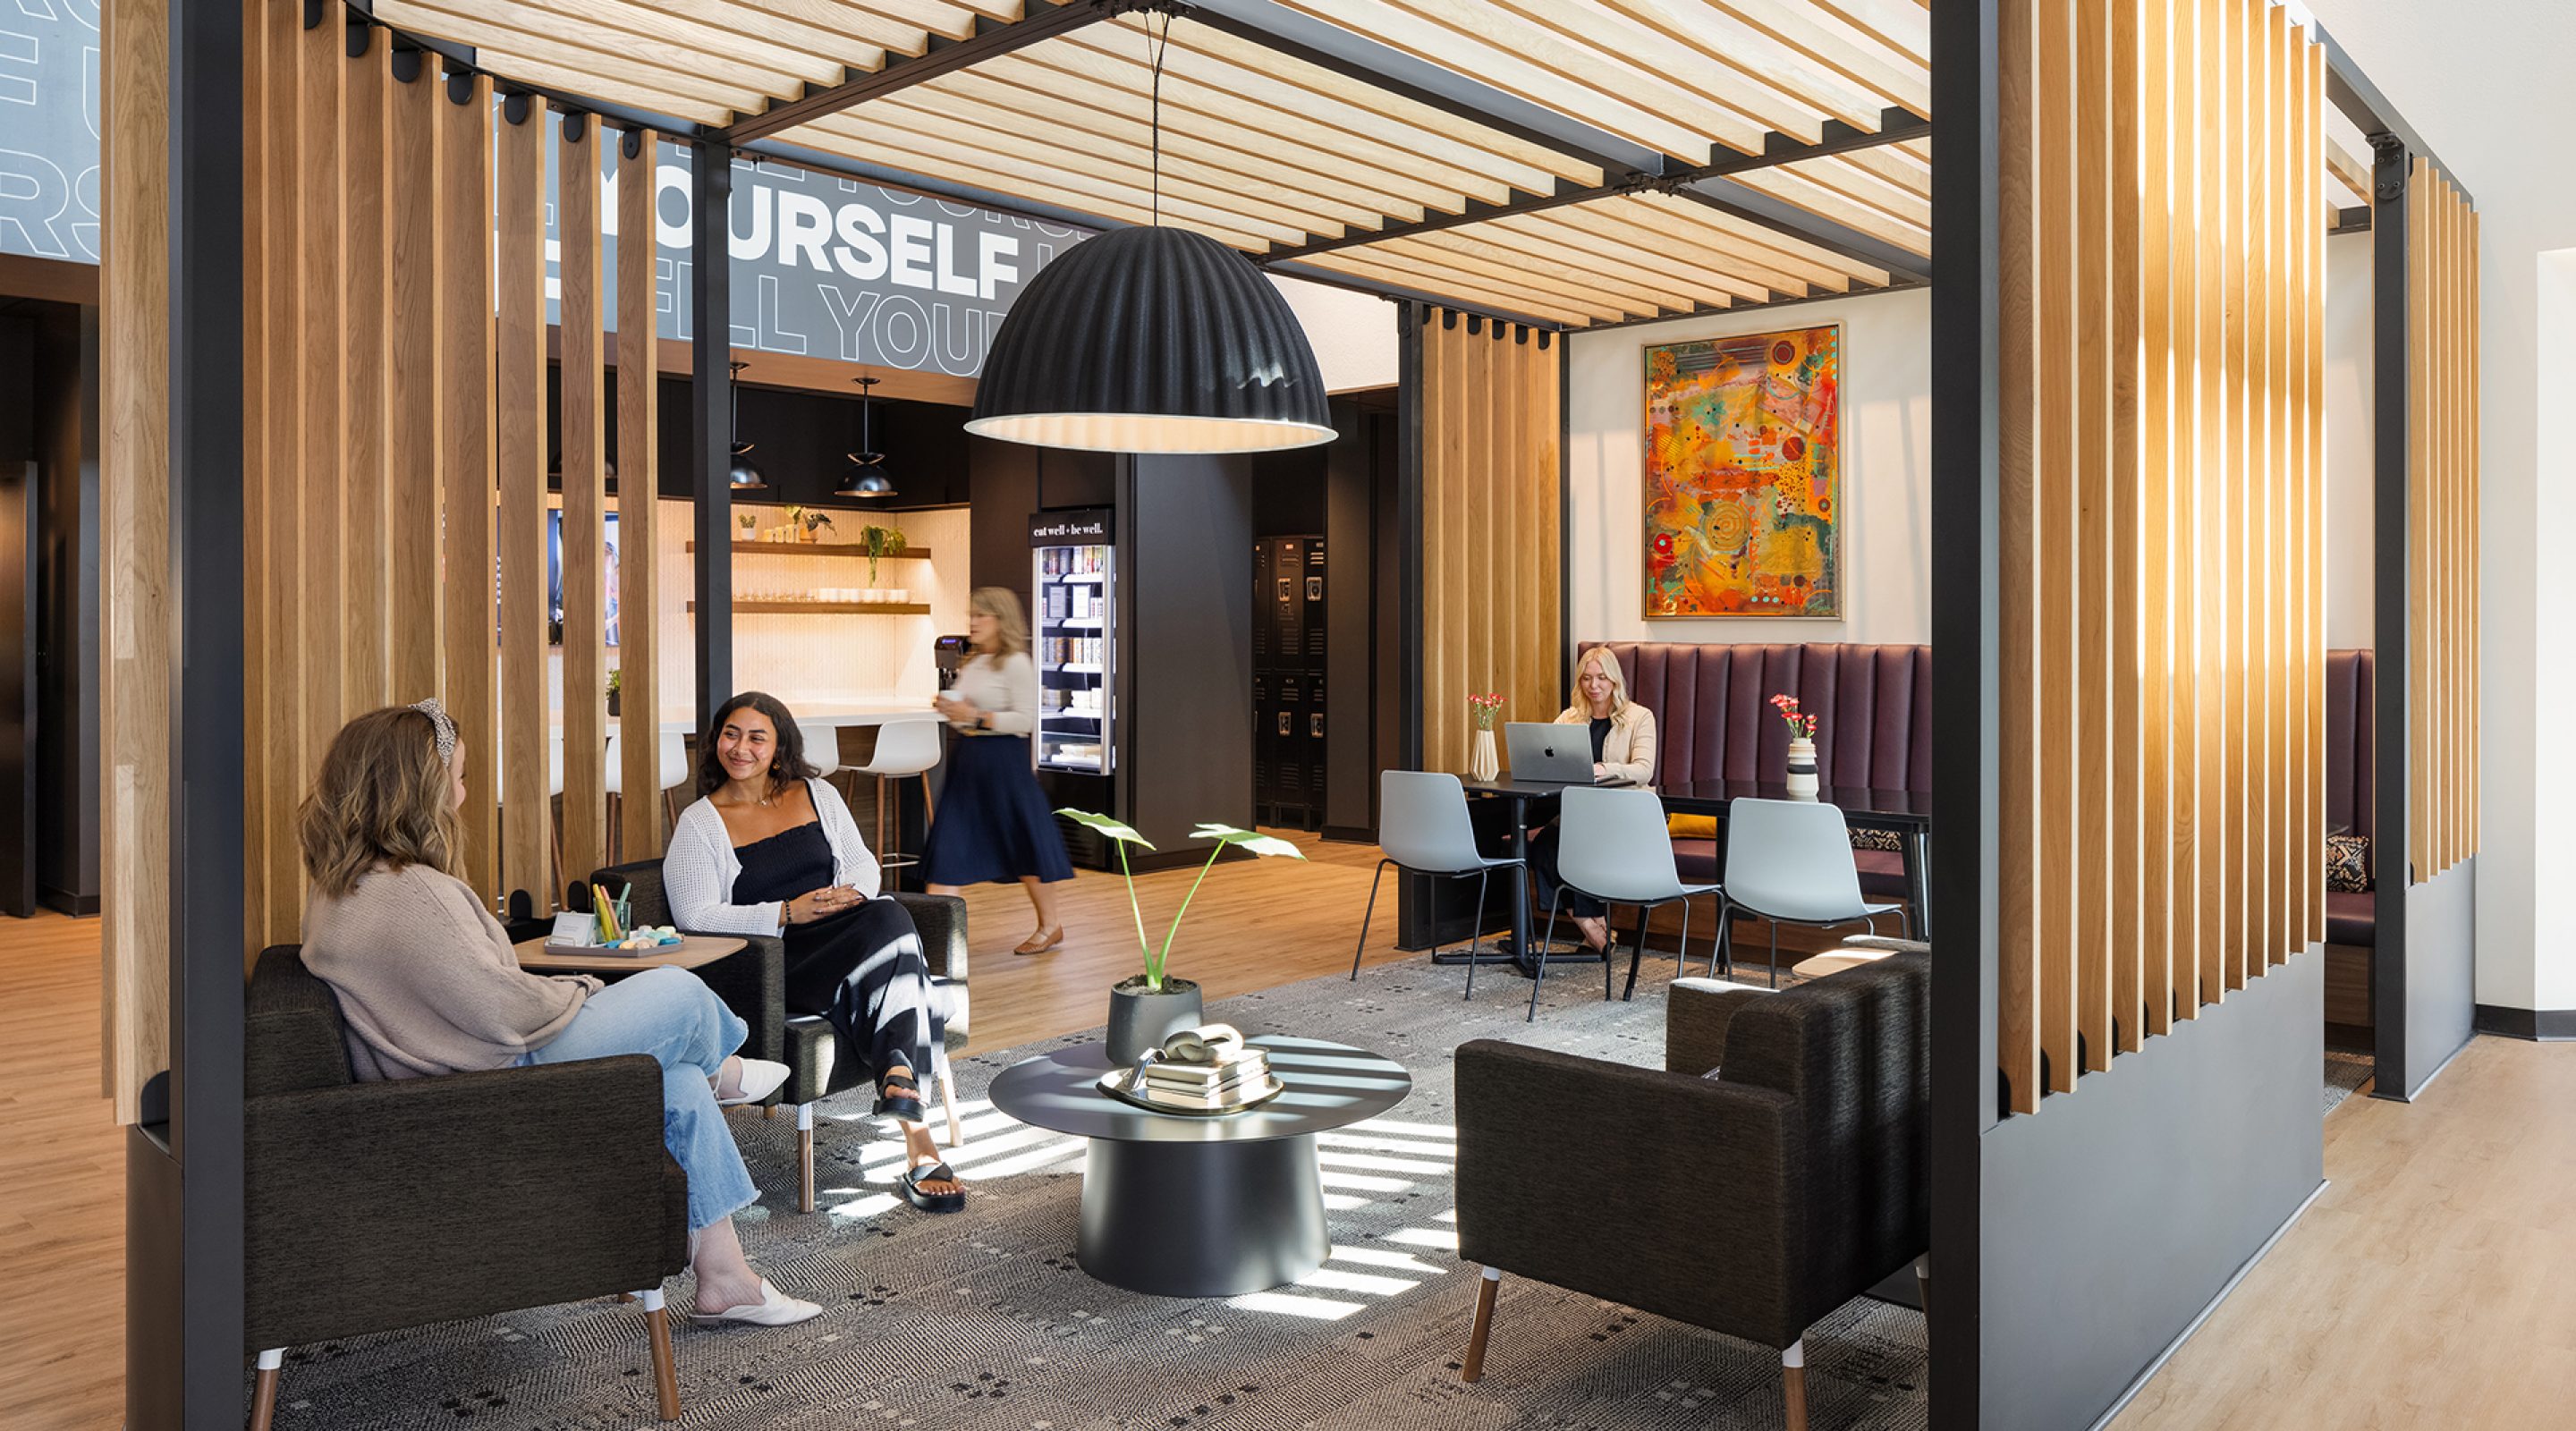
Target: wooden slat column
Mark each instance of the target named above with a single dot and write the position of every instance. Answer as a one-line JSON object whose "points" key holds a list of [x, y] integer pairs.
{"points": [[316, 303], [638, 480], [365, 345], [417, 385], [467, 674], [584, 438], [519, 427], [1491, 498], [2159, 623], [2442, 509], [271, 683]]}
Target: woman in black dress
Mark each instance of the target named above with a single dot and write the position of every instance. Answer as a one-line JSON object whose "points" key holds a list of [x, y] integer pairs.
{"points": [[994, 826], [769, 848]]}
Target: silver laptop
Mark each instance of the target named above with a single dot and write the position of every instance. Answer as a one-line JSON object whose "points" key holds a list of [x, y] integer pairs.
{"points": [[1548, 751]]}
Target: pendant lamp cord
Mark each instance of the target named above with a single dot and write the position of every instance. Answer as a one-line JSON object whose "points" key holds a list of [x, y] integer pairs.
{"points": [[1160, 39]]}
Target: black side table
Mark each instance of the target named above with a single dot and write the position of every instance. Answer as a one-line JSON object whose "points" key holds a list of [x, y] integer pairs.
{"points": [[1177, 1206]]}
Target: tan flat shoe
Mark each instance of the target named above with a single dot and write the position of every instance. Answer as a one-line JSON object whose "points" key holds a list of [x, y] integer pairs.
{"points": [[1041, 942]]}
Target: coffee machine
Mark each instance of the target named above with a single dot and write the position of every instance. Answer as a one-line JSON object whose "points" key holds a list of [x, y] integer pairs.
{"points": [[950, 653]]}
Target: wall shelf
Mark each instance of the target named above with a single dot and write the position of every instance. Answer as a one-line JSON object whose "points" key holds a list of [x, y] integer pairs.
{"points": [[828, 608], [823, 549]]}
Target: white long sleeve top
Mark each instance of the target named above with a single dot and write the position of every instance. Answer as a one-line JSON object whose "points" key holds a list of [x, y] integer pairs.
{"points": [[1007, 687], [700, 867]]}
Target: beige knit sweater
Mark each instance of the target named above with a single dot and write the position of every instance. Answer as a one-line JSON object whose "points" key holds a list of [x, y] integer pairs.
{"points": [[426, 978]]}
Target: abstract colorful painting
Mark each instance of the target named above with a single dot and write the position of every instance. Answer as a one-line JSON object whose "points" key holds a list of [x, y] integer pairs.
{"points": [[1744, 475]]}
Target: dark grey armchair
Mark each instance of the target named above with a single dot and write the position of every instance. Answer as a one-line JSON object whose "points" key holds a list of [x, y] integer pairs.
{"points": [[372, 1207], [753, 984], [1801, 1112]]}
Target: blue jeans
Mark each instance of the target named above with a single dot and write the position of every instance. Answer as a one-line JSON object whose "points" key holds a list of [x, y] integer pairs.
{"points": [[673, 1016]]}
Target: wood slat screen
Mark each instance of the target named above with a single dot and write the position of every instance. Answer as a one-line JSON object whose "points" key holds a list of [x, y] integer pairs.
{"points": [[638, 446], [2160, 717], [2442, 524], [1491, 517], [396, 445]]}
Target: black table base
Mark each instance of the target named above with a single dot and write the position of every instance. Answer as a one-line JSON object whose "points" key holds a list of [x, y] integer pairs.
{"points": [[1202, 1219]]}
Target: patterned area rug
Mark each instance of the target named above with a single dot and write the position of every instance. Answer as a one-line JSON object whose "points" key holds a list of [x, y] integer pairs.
{"points": [[2345, 1073], [984, 1321]]}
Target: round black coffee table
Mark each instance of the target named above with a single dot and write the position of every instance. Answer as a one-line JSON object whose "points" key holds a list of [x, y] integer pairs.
{"points": [[1178, 1206]]}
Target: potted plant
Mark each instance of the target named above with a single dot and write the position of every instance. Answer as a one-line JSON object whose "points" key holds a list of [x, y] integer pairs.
{"points": [[879, 542], [1147, 1008], [614, 675], [814, 522], [749, 521]]}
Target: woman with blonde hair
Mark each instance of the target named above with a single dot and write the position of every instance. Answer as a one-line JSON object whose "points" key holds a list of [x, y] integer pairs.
{"points": [[428, 984], [1623, 752], [993, 825]]}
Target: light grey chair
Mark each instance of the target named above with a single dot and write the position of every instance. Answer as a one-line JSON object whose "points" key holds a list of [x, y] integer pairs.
{"points": [[1613, 845], [1423, 829], [1790, 862]]}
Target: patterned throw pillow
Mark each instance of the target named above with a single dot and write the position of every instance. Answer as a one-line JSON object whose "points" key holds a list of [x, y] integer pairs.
{"points": [[1886, 840], [2348, 863]]}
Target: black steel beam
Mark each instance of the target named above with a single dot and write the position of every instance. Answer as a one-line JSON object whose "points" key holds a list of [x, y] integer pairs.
{"points": [[1281, 30], [2361, 102], [1780, 216], [711, 417], [206, 875], [2354, 220], [1839, 138], [1398, 293], [2391, 358], [1966, 342], [943, 56]]}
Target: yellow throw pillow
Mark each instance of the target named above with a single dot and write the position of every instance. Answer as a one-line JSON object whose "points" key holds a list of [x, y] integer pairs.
{"points": [[1691, 827]]}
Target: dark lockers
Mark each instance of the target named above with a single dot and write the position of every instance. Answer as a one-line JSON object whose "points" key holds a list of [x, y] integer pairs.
{"points": [[1289, 641]]}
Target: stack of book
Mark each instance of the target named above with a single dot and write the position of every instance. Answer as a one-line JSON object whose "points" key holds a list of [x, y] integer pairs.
{"points": [[1206, 1069]]}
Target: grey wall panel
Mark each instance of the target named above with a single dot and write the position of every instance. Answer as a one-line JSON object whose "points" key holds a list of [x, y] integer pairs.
{"points": [[2441, 970], [2115, 1214], [1188, 746]]}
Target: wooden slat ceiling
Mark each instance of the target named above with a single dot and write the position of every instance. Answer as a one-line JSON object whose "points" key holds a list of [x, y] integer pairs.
{"points": [[1270, 152]]}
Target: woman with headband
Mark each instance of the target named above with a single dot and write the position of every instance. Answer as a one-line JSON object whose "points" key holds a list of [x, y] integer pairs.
{"points": [[428, 984]]}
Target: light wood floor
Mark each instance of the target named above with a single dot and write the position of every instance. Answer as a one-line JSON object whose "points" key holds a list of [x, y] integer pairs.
{"points": [[2432, 1284]]}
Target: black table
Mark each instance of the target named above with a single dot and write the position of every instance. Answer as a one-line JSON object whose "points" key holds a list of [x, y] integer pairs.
{"points": [[1905, 813], [1181, 1206]]}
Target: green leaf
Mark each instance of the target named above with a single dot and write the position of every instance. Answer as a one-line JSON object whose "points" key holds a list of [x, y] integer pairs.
{"points": [[1124, 834], [1253, 840]]}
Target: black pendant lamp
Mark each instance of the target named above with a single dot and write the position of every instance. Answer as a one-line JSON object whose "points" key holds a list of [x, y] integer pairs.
{"points": [[867, 475], [1152, 339], [746, 473]]}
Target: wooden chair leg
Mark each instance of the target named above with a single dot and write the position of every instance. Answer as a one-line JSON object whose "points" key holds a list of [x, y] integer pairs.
{"points": [[948, 1100], [804, 1157], [666, 1370], [1793, 1383], [925, 799], [1471, 1367], [263, 1393]]}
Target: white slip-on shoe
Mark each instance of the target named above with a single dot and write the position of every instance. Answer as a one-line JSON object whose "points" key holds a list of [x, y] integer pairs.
{"points": [[761, 1077], [774, 1309]]}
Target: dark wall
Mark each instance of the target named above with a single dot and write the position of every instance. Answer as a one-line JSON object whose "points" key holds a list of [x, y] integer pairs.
{"points": [[2114, 1214], [1185, 541], [67, 446], [18, 567]]}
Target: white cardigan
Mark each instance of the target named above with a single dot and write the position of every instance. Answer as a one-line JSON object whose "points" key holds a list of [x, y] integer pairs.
{"points": [[699, 868]]}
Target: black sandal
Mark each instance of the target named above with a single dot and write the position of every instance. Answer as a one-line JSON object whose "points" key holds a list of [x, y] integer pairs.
{"points": [[899, 1096], [931, 1201]]}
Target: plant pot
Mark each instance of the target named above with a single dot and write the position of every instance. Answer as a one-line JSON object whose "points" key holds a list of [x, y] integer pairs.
{"points": [[1481, 762], [1141, 1018], [612, 703], [1802, 770]]}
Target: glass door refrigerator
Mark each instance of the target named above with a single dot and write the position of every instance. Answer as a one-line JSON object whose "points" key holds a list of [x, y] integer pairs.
{"points": [[1074, 641]]}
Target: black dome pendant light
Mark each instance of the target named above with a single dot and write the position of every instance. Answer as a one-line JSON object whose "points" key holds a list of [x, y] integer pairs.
{"points": [[1152, 339], [867, 475], [746, 473]]}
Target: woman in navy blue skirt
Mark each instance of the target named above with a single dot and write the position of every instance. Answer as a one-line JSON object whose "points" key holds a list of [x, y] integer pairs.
{"points": [[993, 825]]}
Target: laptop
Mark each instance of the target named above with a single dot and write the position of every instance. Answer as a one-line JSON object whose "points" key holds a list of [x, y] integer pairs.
{"points": [[1548, 751]]}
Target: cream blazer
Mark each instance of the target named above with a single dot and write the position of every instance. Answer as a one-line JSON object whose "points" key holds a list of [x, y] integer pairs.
{"points": [[1629, 748]]}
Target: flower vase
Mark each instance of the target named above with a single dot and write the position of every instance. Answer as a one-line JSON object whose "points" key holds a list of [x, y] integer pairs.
{"points": [[1481, 762], [1802, 769]]}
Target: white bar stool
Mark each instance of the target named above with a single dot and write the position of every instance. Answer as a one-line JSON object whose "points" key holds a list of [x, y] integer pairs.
{"points": [[904, 748], [670, 770]]}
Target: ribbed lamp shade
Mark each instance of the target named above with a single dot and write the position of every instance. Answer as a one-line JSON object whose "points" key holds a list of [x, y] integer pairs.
{"points": [[1152, 340]]}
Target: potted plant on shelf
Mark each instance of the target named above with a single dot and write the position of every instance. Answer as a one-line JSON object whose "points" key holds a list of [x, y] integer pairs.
{"points": [[749, 521], [1802, 747], [814, 524], [1147, 1008], [879, 542], [615, 673]]}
